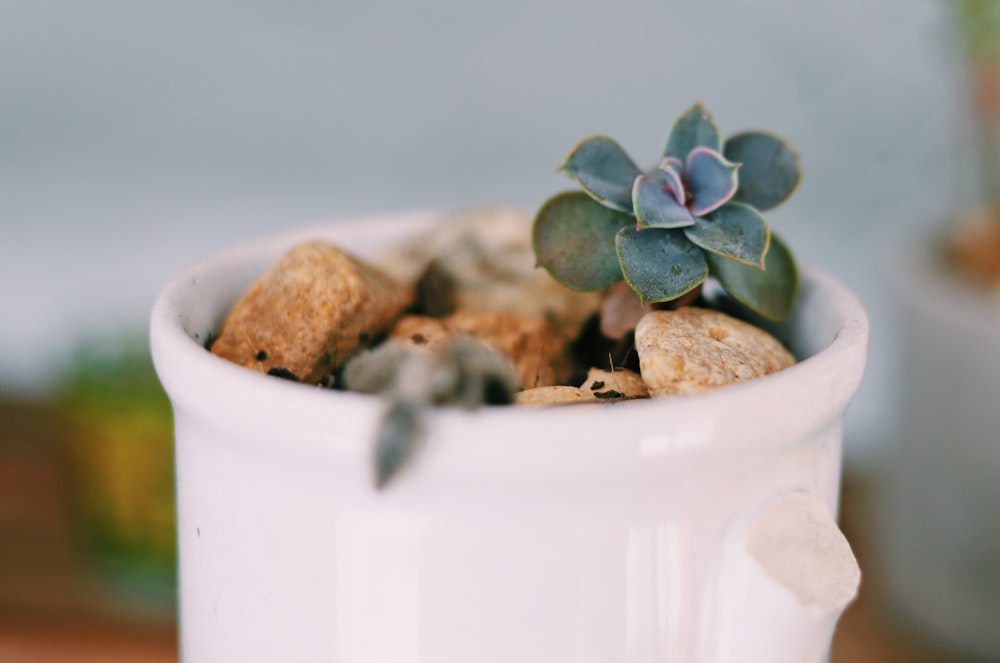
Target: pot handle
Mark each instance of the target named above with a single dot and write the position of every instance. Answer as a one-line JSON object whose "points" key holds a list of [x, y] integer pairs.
{"points": [[784, 585]]}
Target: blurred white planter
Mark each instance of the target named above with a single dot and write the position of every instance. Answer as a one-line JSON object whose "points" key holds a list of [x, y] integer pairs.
{"points": [[941, 537], [694, 529]]}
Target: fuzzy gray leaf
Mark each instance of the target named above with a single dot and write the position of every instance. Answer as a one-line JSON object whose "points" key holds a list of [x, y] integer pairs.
{"points": [[574, 239], [694, 128], [770, 168], [604, 170], [660, 265], [655, 207], [735, 231], [769, 292]]}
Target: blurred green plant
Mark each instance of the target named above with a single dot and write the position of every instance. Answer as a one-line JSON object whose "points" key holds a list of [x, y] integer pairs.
{"points": [[979, 21], [979, 26], [121, 447]]}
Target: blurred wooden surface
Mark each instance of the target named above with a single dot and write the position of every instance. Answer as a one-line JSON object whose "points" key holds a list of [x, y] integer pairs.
{"points": [[51, 611]]}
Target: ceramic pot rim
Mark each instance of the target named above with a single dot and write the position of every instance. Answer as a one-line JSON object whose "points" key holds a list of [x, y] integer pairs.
{"points": [[829, 329]]}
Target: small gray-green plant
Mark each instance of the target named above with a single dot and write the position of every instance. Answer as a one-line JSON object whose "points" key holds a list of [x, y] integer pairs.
{"points": [[665, 231], [462, 371]]}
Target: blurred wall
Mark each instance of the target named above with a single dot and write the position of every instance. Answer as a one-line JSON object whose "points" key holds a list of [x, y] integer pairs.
{"points": [[136, 138]]}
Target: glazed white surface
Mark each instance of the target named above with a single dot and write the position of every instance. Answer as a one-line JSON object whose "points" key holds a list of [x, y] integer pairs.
{"points": [[586, 534]]}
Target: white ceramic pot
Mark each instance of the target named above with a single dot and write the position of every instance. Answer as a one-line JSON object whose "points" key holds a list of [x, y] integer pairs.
{"points": [[941, 540], [694, 529]]}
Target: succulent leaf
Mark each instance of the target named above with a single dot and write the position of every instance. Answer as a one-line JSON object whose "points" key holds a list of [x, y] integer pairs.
{"points": [[735, 231], [659, 264], [695, 128], [769, 292], [574, 239], [671, 169], [604, 170], [655, 207], [711, 180], [770, 170]]}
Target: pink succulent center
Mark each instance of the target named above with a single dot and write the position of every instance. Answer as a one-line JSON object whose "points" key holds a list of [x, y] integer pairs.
{"points": [[688, 198]]}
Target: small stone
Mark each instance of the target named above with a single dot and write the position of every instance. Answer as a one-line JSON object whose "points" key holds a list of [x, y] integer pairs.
{"points": [[553, 395], [627, 384], [601, 385], [693, 349], [532, 343], [486, 258], [310, 313], [420, 330]]}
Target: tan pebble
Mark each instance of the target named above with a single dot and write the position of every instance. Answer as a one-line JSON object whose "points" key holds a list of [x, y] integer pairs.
{"points": [[694, 349], [600, 387], [314, 309], [419, 330], [603, 384], [533, 344], [552, 396]]}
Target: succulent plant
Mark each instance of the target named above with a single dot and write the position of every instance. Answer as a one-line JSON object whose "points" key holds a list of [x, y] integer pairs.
{"points": [[665, 231]]}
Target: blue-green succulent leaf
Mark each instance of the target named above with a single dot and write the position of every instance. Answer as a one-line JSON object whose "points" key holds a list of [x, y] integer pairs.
{"points": [[673, 162], [694, 128], [657, 175], [770, 168], [660, 265], [671, 168], [574, 239], [711, 180], [604, 170], [769, 292], [655, 207], [735, 231]]}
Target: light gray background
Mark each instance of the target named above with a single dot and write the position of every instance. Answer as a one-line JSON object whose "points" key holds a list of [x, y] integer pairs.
{"points": [[138, 137]]}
